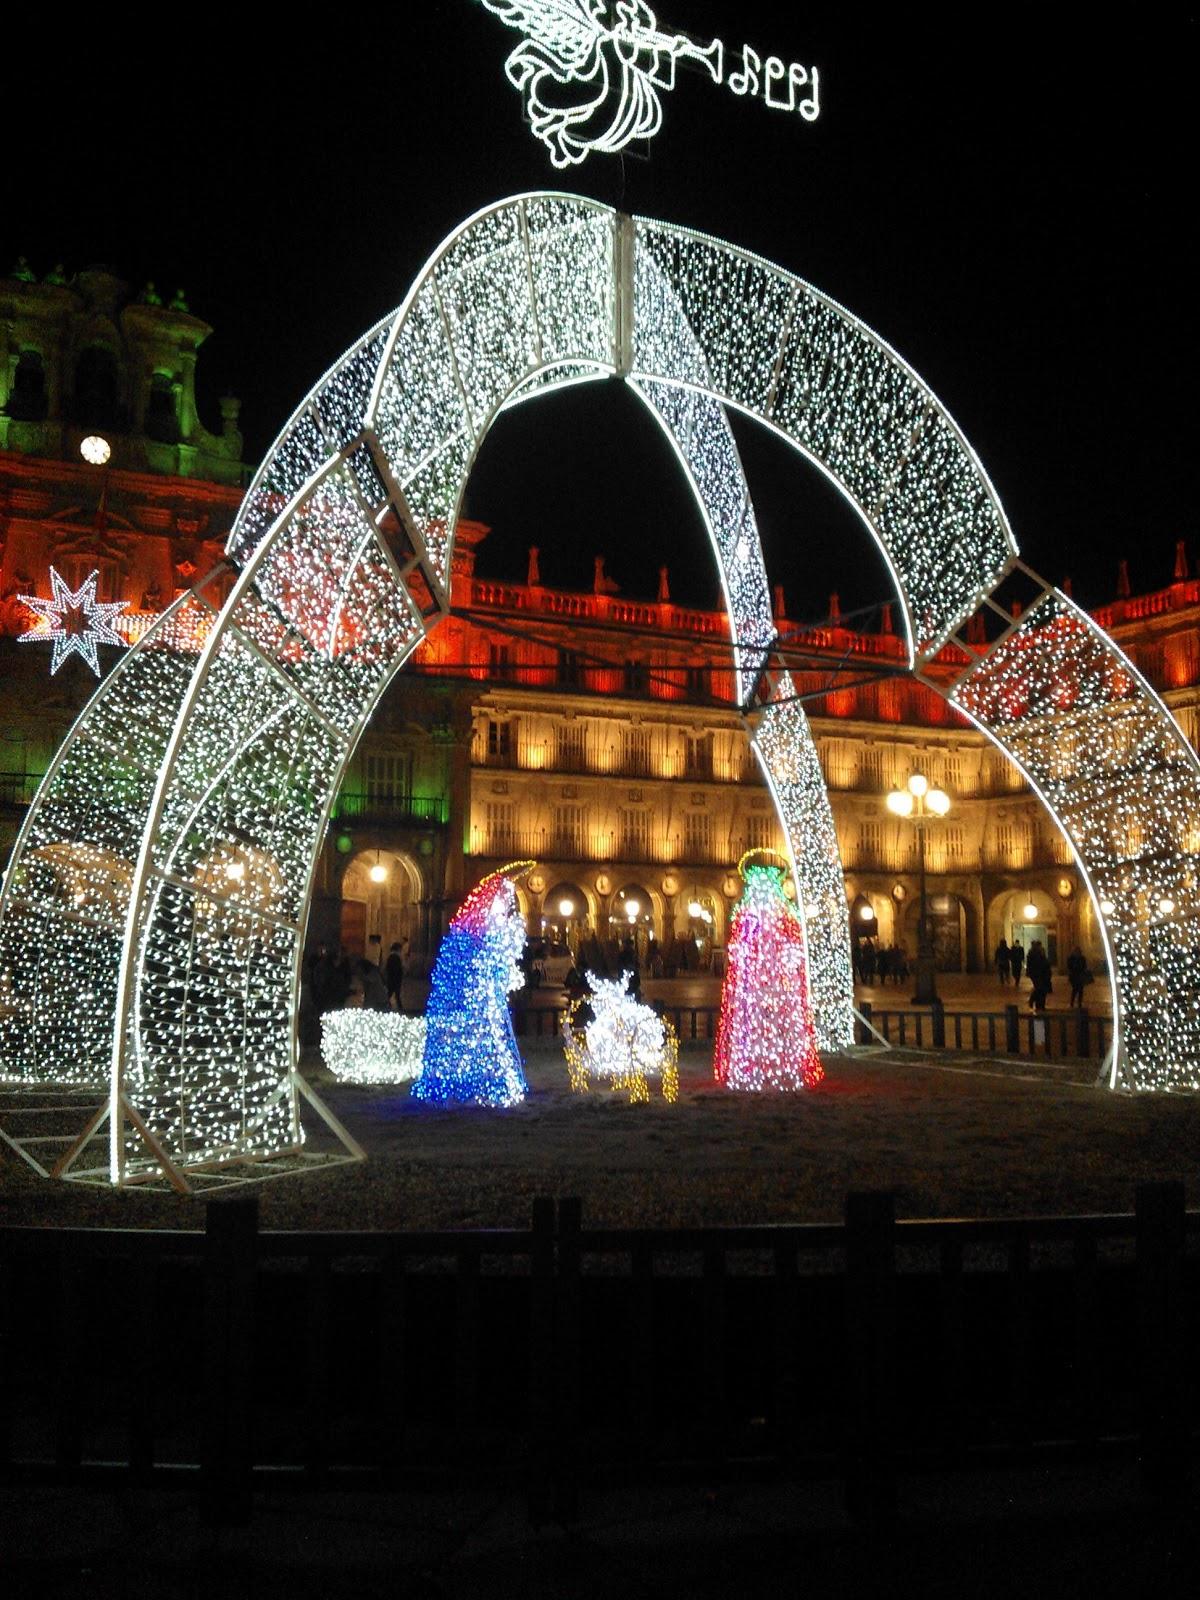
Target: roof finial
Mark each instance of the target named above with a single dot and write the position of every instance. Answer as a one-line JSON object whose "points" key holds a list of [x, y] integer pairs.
{"points": [[780, 607], [1123, 589], [1181, 560], [835, 607], [664, 585], [533, 575]]}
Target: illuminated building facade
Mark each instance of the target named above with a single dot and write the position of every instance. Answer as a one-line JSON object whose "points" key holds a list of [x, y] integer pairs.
{"points": [[594, 732]]}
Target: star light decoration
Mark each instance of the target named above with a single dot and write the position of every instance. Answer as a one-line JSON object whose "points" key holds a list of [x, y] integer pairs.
{"points": [[623, 1045], [471, 1055], [73, 620], [765, 1034], [361, 1046]]}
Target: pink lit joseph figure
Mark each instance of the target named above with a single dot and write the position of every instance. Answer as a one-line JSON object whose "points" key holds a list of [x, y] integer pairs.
{"points": [[765, 1036]]}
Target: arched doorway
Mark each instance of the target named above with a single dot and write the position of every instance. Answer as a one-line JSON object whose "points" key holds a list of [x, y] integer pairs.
{"points": [[380, 891], [566, 916], [1026, 915], [633, 924]]}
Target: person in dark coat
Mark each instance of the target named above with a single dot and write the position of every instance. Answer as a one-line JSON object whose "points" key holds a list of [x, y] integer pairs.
{"points": [[1003, 959], [394, 974], [1038, 968], [1016, 957], [375, 995], [1077, 972]]}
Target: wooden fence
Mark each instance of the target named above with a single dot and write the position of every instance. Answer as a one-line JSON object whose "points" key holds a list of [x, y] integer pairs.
{"points": [[555, 1355], [1077, 1034]]}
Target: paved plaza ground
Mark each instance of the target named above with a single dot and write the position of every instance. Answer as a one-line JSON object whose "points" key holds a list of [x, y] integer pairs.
{"points": [[953, 1136]]}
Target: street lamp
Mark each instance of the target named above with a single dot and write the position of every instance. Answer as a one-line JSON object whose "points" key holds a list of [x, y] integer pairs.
{"points": [[919, 803]]}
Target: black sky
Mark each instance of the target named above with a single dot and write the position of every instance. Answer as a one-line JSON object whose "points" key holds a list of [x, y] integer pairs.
{"points": [[1008, 200]]}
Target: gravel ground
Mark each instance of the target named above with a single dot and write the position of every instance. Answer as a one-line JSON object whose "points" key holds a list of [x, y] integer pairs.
{"points": [[964, 1139]]}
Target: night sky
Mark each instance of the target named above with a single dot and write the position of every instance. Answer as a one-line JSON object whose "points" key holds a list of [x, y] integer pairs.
{"points": [[1006, 200]]}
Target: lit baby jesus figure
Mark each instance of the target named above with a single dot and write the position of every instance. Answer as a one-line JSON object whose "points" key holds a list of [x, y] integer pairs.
{"points": [[624, 1045]]}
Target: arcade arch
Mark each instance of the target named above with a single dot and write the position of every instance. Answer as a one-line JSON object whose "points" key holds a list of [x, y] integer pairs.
{"points": [[380, 892], [342, 560]]}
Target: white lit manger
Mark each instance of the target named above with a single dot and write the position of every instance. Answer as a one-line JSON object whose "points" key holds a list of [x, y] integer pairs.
{"points": [[362, 1046], [624, 1045]]}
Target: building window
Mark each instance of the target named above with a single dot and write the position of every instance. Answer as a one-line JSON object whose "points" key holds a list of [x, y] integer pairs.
{"points": [[499, 740], [635, 835], [700, 756], [568, 830], [389, 776], [870, 844], [759, 833], [870, 770], [570, 746], [499, 814], [955, 846], [499, 660], [162, 417], [636, 752], [27, 401], [76, 570], [697, 836]]}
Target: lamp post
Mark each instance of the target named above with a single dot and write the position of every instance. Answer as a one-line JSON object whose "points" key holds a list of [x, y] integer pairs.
{"points": [[919, 803]]}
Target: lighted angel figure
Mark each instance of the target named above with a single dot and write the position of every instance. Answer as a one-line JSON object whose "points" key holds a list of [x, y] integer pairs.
{"points": [[625, 1043], [591, 71], [471, 1054], [766, 1037]]}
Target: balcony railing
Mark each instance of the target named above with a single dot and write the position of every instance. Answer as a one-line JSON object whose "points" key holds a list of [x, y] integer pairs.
{"points": [[544, 843], [606, 763], [18, 788], [391, 808]]}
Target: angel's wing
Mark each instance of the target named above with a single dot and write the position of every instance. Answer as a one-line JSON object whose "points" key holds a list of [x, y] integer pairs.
{"points": [[568, 31]]}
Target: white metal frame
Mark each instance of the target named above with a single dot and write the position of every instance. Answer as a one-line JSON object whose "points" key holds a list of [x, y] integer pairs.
{"points": [[528, 296]]}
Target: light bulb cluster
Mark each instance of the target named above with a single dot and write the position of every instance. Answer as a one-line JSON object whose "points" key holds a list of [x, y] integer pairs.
{"points": [[525, 285], [471, 1054], [362, 1046], [622, 1045], [783, 745], [765, 1033], [65, 898], [1124, 785], [780, 350]]}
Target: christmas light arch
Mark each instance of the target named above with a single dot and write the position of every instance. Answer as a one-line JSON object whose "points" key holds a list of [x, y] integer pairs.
{"points": [[339, 563]]}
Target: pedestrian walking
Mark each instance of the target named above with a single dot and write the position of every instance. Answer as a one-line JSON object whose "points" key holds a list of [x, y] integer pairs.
{"points": [[394, 974], [1003, 960], [1077, 972], [1016, 956], [1038, 968]]}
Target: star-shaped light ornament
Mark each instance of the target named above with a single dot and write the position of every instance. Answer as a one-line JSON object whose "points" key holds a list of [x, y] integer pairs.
{"points": [[74, 621]]}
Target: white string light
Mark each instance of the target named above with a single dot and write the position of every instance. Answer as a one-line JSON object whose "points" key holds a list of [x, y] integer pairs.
{"points": [[361, 1046], [131, 955]]}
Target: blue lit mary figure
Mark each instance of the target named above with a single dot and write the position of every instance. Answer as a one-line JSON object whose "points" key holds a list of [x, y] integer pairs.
{"points": [[471, 1055]]}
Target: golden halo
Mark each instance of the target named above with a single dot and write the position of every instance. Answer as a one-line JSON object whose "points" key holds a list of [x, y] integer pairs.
{"points": [[762, 850], [516, 869]]}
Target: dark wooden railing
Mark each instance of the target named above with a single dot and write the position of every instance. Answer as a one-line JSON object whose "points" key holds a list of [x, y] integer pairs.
{"points": [[558, 1354], [1077, 1034], [1073, 1035]]}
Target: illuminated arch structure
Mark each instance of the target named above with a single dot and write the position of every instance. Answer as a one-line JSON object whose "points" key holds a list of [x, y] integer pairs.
{"points": [[172, 982]]}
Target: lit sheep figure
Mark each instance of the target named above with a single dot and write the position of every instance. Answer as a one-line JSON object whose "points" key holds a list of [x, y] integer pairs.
{"points": [[624, 1045], [372, 1046]]}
